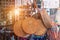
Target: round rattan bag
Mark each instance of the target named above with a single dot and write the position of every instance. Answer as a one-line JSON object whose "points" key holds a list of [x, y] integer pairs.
{"points": [[41, 30], [18, 29], [45, 18], [30, 25]]}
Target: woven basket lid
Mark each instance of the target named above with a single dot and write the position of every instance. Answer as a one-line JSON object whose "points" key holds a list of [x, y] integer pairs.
{"points": [[30, 25], [41, 30], [18, 29]]}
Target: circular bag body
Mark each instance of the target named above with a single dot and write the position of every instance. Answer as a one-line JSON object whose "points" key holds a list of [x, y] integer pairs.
{"points": [[45, 18], [30, 25], [41, 30], [18, 29]]}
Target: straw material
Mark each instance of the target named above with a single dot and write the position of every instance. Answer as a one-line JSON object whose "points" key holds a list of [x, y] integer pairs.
{"points": [[30, 25]]}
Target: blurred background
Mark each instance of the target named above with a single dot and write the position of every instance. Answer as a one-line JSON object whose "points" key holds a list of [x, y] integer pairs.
{"points": [[9, 13]]}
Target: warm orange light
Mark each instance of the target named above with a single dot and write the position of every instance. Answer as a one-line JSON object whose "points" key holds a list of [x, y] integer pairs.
{"points": [[17, 11]]}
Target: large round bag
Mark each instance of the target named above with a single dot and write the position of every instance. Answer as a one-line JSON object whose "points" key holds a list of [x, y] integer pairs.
{"points": [[18, 29], [30, 25], [41, 30], [43, 15], [45, 18]]}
